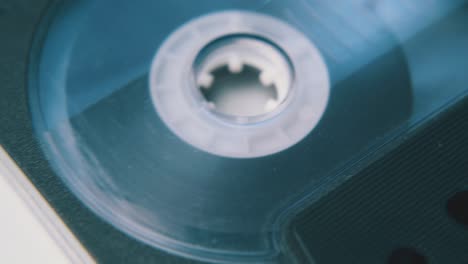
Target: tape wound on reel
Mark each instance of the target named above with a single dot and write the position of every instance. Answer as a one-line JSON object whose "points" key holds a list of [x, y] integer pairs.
{"points": [[95, 115]]}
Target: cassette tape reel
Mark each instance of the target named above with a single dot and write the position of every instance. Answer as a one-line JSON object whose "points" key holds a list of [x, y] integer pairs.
{"points": [[210, 129]]}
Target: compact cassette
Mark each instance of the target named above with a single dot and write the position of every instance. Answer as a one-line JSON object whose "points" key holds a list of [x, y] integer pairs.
{"points": [[243, 131]]}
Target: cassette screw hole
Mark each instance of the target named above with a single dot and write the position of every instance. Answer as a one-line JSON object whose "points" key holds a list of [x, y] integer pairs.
{"points": [[406, 256], [457, 207]]}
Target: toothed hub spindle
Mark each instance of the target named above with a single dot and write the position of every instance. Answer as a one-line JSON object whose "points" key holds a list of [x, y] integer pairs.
{"points": [[242, 76]]}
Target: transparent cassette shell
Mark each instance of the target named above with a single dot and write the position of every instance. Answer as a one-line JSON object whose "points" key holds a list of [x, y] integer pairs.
{"points": [[95, 118]]}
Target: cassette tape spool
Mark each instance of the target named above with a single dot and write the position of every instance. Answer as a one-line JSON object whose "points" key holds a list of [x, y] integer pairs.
{"points": [[233, 41], [121, 105]]}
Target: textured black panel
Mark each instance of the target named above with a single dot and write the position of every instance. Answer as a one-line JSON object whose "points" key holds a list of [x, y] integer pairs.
{"points": [[400, 201]]}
